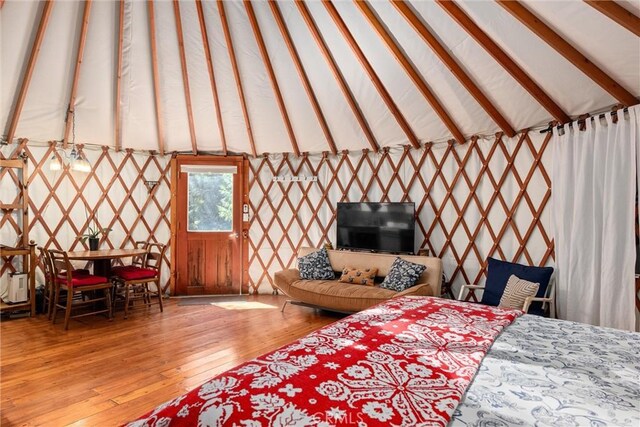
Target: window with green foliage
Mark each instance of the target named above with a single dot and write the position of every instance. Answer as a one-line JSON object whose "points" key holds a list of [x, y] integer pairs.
{"points": [[210, 202]]}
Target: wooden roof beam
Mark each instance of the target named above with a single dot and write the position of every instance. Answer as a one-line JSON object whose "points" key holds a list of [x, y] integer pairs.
{"points": [[275, 9], [185, 76], [337, 74], [503, 59], [28, 72], [212, 77], [386, 97], [236, 74], [70, 117], [156, 76], [118, 113], [567, 50], [443, 53], [617, 13], [272, 75], [410, 69]]}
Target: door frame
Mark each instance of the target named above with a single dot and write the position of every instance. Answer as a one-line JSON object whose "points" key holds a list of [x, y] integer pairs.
{"points": [[243, 172]]}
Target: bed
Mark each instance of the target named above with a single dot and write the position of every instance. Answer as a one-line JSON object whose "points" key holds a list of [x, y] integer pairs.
{"points": [[427, 361]]}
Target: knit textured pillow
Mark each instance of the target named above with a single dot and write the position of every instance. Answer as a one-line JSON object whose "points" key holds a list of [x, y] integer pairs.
{"points": [[402, 275], [316, 266], [517, 291], [359, 276]]}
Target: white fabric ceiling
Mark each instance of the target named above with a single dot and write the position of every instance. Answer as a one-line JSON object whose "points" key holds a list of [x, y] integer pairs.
{"points": [[611, 47]]}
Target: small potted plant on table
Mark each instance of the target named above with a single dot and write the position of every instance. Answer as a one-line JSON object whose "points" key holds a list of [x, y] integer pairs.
{"points": [[93, 235]]}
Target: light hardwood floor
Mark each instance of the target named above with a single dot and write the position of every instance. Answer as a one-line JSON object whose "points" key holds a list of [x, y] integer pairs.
{"points": [[102, 373]]}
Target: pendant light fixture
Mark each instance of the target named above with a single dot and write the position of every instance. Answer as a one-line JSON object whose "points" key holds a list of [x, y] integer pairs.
{"points": [[77, 161]]}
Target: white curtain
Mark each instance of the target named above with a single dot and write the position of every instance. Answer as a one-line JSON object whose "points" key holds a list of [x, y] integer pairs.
{"points": [[593, 196]]}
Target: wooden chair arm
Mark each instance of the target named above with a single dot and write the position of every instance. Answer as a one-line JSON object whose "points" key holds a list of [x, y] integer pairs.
{"points": [[529, 300], [472, 292]]}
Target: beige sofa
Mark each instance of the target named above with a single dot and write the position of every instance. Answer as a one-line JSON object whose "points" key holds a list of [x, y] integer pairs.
{"points": [[347, 297]]}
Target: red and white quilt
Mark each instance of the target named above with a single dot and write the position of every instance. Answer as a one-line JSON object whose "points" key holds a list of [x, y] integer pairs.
{"points": [[407, 361]]}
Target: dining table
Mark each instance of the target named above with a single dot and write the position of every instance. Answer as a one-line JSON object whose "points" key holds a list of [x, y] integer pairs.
{"points": [[102, 258]]}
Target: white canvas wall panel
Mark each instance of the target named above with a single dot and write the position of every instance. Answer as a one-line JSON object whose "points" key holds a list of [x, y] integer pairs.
{"points": [[43, 114], [172, 90], [16, 21], [384, 126], [340, 118], [95, 103], [515, 104], [268, 128], [469, 116], [555, 75], [204, 113], [234, 126], [303, 118], [411, 103], [615, 50], [139, 125]]}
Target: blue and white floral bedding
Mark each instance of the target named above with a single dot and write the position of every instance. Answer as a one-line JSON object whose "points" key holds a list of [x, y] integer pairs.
{"points": [[547, 372]]}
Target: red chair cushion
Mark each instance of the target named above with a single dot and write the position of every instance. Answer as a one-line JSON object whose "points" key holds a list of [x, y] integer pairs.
{"points": [[137, 273], [80, 272], [120, 268], [84, 280]]}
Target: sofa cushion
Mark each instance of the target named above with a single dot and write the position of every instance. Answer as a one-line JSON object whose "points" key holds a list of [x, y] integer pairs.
{"points": [[316, 266], [402, 275], [359, 276], [517, 291], [338, 296]]}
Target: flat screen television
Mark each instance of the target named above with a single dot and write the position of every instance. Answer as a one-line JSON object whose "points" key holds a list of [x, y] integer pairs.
{"points": [[376, 227]]}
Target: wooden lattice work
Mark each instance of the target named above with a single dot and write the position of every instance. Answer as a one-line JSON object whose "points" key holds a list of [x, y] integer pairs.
{"points": [[113, 195], [487, 197], [484, 198]]}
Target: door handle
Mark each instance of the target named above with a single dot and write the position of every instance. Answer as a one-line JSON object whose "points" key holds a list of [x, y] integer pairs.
{"points": [[233, 235]]}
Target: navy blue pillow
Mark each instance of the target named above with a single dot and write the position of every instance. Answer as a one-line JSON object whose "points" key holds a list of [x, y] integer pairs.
{"points": [[498, 274], [316, 266]]}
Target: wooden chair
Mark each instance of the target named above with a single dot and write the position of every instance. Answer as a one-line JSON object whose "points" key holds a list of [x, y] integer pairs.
{"points": [[549, 298], [49, 282], [136, 262], [135, 281], [75, 283]]}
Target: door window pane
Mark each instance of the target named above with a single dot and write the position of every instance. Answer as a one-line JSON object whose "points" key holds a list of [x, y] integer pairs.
{"points": [[210, 201]]}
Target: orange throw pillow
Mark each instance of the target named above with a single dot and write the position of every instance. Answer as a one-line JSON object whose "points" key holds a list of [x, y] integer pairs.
{"points": [[358, 276]]}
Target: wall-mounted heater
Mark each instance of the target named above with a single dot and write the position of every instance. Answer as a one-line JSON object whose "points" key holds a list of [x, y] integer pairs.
{"points": [[18, 289]]}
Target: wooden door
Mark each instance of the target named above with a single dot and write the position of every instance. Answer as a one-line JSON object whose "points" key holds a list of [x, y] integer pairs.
{"points": [[209, 232]]}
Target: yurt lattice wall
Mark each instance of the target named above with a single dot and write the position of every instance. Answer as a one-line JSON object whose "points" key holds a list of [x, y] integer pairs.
{"points": [[113, 195], [487, 197]]}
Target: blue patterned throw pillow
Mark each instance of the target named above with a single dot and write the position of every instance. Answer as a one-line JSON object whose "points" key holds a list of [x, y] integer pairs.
{"points": [[316, 266], [402, 275]]}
